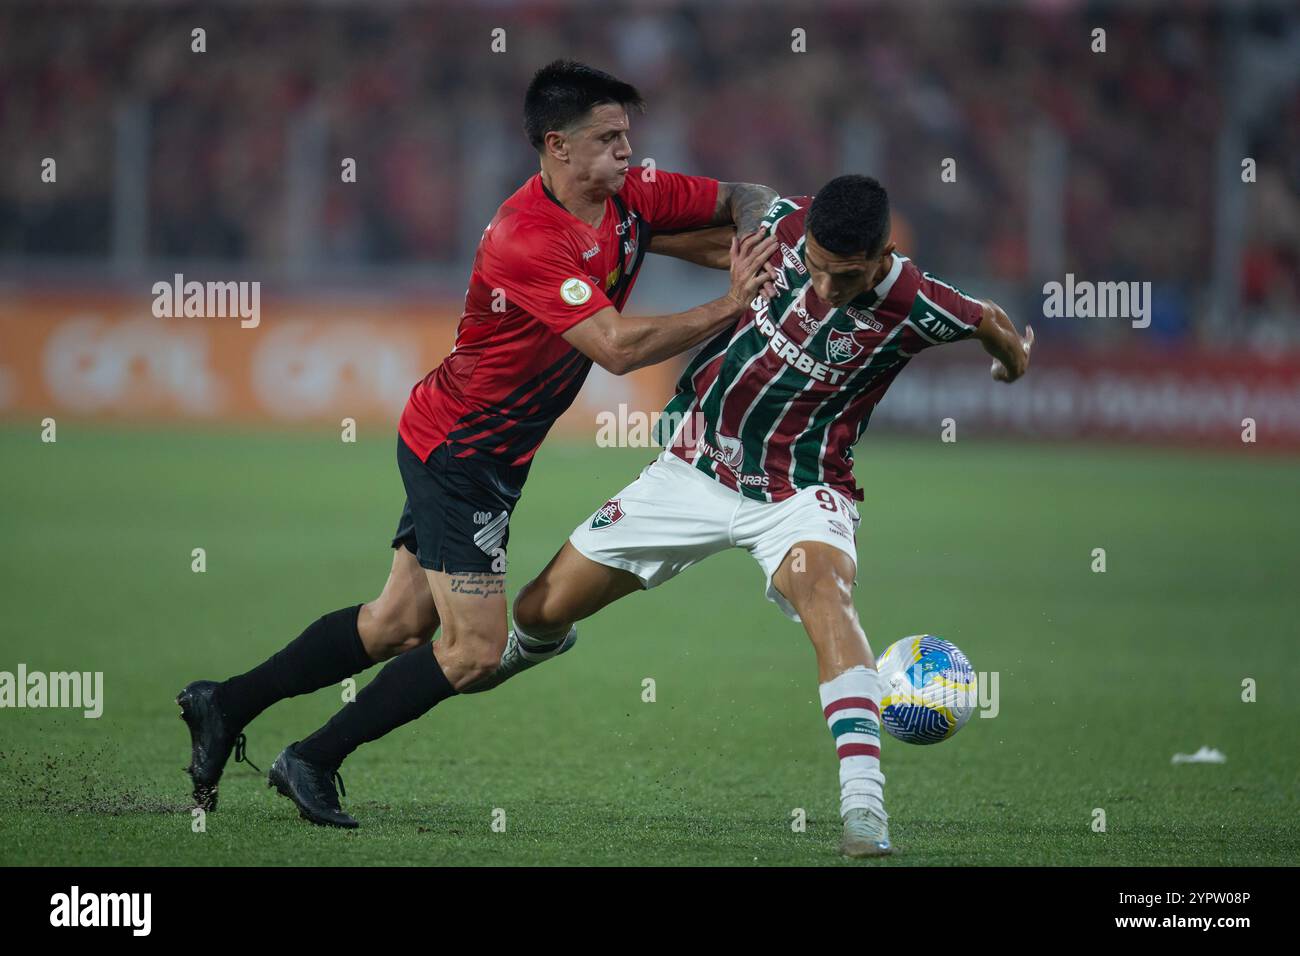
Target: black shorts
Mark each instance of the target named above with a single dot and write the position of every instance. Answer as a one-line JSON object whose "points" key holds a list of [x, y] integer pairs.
{"points": [[457, 513]]}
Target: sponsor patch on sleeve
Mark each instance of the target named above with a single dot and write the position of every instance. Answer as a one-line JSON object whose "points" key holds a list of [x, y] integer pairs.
{"points": [[575, 291]]}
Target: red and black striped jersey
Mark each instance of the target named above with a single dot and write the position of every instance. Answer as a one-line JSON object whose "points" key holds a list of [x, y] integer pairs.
{"points": [[538, 272], [777, 403]]}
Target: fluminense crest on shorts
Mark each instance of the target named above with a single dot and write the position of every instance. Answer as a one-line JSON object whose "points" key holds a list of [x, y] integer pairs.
{"points": [[842, 347], [609, 512]]}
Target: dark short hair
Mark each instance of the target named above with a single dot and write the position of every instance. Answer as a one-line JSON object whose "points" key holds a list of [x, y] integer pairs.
{"points": [[565, 91], [850, 214]]}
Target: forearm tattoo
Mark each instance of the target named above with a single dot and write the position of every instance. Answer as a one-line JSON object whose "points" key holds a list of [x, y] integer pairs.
{"points": [[744, 204]]}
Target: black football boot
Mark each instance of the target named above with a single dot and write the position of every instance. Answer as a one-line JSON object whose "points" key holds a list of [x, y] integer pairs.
{"points": [[212, 738], [311, 787]]}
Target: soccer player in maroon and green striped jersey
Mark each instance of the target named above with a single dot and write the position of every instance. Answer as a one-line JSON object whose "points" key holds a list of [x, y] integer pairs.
{"points": [[758, 455]]}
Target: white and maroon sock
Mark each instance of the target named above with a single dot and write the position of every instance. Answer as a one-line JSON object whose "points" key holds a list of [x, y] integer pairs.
{"points": [[539, 647], [851, 705]]}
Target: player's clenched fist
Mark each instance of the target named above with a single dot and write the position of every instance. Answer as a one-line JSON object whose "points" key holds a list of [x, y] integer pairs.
{"points": [[1000, 339], [750, 270], [1005, 373]]}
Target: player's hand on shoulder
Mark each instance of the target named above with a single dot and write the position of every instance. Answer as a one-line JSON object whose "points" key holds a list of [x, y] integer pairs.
{"points": [[751, 273]]}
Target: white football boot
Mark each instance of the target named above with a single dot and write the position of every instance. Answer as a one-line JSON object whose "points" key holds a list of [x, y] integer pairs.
{"points": [[866, 833]]}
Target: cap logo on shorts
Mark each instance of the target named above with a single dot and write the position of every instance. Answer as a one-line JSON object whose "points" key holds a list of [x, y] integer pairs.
{"points": [[609, 512], [574, 291], [490, 536]]}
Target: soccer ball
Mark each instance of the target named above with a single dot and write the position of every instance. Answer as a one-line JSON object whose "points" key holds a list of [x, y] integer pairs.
{"points": [[927, 689]]}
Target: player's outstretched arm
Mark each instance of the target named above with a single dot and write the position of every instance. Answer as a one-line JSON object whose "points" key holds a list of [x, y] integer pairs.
{"points": [[739, 209], [743, 205], [708, 246], [1001, 340], [622, 343]]}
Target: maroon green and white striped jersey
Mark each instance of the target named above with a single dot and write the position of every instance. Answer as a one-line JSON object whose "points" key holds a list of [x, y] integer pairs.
{"points": [[776, 403]]}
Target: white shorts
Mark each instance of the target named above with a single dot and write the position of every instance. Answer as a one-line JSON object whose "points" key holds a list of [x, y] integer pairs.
{"points": [[674, 516]]}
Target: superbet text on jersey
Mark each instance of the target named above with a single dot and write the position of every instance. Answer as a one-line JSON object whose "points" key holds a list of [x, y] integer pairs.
{"points": [[776, 404]]}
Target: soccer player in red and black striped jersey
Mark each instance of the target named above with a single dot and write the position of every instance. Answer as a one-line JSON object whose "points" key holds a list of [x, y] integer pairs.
{"points": [[553, 271], [758, 456]]}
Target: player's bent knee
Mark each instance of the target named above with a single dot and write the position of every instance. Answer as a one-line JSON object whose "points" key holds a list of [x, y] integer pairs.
{"points": [[388, 630], [476, 658], [411, 640], [480, 668], [823, 586], [830, 590], [474, 643], [831, 598]]}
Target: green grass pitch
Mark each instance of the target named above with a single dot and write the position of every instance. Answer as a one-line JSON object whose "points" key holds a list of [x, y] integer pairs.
{"points": [[1102, 677]]}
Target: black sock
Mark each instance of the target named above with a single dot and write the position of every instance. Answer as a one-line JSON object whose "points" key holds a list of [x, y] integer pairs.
{"points": [[329, 650], [408, 686]]}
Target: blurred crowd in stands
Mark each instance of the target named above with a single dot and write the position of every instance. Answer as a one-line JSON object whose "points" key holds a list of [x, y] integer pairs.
{"points": [[417, 96]]}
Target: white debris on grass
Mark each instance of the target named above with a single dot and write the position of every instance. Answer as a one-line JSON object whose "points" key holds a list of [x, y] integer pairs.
{"points": [[1204, 755]]}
